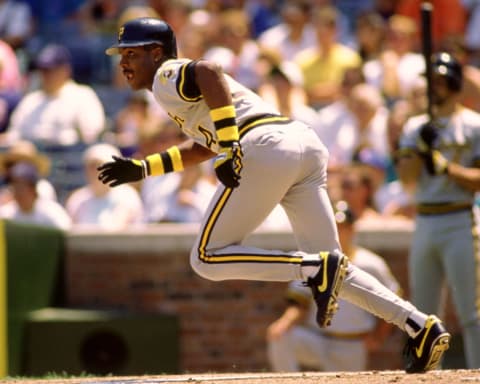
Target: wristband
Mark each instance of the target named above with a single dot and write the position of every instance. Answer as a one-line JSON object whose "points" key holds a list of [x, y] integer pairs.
{"points": [[161, 163], [225, 125]]}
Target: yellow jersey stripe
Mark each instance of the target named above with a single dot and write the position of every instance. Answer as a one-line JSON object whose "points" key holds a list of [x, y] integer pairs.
{"points": [[262, 121]]}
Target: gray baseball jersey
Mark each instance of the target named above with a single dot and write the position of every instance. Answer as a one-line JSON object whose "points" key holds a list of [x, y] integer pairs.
{"points": [[284, 162], [445, 243]]}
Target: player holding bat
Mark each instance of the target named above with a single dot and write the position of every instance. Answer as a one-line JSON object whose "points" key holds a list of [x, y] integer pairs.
{"points": [[440, 157]]}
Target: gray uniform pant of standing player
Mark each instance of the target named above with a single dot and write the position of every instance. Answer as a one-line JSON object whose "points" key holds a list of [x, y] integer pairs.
{"points": [[287, 164], [447, 248]]}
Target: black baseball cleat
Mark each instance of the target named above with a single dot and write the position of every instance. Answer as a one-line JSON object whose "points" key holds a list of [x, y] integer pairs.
{"points": [[326, 284], [424, 352]]}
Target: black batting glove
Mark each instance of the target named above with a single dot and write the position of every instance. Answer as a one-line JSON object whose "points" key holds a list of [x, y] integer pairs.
{"points": [[228, 163], [426, 138], [427, 135], [435, 163], [122, 170]]}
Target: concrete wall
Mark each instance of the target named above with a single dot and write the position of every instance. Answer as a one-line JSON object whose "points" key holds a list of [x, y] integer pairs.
{"points": [[222, 323]]}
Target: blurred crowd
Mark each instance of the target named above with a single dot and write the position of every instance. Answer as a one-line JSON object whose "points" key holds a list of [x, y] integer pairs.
{"points": [[351, 69]]}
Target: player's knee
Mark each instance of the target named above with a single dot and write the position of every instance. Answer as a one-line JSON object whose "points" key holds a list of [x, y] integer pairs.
{"points": [[204, 269]]}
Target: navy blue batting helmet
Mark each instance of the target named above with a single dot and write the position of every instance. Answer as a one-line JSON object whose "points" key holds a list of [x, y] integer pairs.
{"points": [[444, 64], [145, 31]]}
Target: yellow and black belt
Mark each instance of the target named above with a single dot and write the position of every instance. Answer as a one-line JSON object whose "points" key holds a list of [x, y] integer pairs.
{"points": [[443, 208], [260, 120]]}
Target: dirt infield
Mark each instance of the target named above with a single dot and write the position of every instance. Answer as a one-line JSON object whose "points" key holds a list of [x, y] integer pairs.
{"points": [[372, 377]]}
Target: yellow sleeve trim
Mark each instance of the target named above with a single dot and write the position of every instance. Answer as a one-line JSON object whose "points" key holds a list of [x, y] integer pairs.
{"points": [[221, 113]]}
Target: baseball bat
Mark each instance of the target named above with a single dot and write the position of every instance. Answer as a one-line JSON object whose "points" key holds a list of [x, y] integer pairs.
{"points": [[426, 9]]}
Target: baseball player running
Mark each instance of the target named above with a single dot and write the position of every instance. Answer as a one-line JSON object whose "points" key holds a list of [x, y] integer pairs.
{"points": [[262, 159], [445, 243]]}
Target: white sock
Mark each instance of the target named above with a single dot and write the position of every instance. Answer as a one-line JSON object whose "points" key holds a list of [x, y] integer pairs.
{"points": [[311, 264], [415, 323]]}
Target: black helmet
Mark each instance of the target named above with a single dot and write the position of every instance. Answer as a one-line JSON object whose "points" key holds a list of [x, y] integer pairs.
{"points": [[444, 64], [145, 31]]}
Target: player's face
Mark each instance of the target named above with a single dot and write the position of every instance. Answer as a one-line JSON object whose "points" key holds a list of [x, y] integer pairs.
{"points": [[138, 66], [441, 92]]}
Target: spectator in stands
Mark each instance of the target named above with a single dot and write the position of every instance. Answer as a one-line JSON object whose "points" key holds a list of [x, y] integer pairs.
{"points": [[282, 86], [62, 112], [61, 118], [99, 207], [365, 128], [332, 118], [470, 93], [15, 23], [294, 33], [25, 151], [11, 84], [449, 18], [131, 121], [294, 340], [27, 206], [398, 66], [393, 199], [370, 29], [357, 188], [236, 51], [472, 32], [189, 200], [323, 65], [176, 197]]}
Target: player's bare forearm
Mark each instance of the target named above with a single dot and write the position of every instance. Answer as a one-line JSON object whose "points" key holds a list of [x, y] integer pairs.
{"points": [[212, 84], [468, 178], [193, 153], [408, 169]]}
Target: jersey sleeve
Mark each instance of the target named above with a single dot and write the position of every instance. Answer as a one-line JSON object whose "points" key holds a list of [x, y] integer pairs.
{"points": [[186, 84]]}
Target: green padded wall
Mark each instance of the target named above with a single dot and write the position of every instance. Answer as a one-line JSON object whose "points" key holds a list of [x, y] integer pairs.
{"points": [[34, 264], [100, 343]]}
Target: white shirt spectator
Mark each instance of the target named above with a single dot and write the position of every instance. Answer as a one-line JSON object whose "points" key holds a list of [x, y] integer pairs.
{"points": [[74, 115], [278, 37], [96, 205], [111, 211], [45, 212], [410, 67]]}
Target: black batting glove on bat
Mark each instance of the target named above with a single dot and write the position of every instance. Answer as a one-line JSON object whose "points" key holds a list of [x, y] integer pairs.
{"points": [[435, 162], [121, 170], [228, 163], [427, 136]]}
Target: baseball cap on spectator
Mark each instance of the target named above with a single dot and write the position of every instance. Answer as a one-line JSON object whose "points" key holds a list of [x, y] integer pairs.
{"points": [[24, 151], [53, 56], [23, 171], [100, 153]]}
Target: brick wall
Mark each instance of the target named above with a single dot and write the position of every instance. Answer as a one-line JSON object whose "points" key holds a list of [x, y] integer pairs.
{"points": [[222, 324]]}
